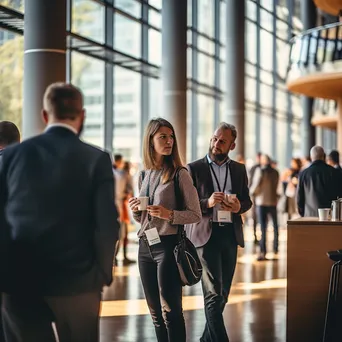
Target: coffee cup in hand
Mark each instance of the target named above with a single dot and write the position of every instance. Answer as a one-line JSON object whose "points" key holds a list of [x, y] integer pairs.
{"points": [[143, 203]]}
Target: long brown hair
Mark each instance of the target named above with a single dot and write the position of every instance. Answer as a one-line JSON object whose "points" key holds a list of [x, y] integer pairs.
{"points": [[171, 162]]}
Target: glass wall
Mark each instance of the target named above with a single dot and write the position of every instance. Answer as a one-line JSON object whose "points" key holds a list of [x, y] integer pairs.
{"points": [[272, 114]]}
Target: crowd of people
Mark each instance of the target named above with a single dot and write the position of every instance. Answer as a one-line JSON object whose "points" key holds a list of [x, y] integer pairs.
{"points": [[65, 208]]}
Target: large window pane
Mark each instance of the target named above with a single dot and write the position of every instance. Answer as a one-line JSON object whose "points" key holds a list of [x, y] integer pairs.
{"points": [[266, 40], [127, 118], [266, 20], [88, 74], [206, 69], [156, 97], [132, 7], [17, 5], [127, 35], [155, 3], [88, 19], [206, 17], [205, 123], [11, 77], [251, 41], [154, 47], [251, 10], [155, 18]]}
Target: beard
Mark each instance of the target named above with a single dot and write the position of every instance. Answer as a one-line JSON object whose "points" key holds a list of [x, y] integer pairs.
{"points": [[218, 157]]}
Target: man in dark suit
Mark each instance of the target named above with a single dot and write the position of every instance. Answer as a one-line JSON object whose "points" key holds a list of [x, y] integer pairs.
{"points": [[220, 231], [59, 226], [318, 185], [9, 134], [333, 160]]}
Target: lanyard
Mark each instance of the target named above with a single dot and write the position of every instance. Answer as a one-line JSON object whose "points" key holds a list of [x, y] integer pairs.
{"points": [[217, 181], [151, 198]]}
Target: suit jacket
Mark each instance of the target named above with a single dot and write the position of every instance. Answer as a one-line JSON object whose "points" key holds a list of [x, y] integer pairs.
{"points": [[199, 233], [318, 185], [264, 186], [59, 223]]}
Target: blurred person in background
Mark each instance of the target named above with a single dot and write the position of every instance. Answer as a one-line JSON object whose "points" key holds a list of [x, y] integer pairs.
{"points": [[264, 188], [333, 159]]}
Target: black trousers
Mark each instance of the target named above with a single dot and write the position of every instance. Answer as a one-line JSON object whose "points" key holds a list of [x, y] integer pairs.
{"points": [[29, 319], [163, 289], [218, 257], [263, 212]]}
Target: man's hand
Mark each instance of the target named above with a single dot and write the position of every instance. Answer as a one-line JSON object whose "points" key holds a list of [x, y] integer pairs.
{"points": [[233, 205], [158, 211], [215, 198]]}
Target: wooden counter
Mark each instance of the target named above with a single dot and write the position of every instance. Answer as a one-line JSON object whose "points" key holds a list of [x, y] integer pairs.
{"points": [[308, 274]]}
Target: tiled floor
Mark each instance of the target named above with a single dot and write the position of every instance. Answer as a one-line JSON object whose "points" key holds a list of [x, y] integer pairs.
{"points": [[255, 312]]}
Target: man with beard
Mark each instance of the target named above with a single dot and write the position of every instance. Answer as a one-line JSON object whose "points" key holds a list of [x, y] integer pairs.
{"points": [[222, 187], [61, 226]]}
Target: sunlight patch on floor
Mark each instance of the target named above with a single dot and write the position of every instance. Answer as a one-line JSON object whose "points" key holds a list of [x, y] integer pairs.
{"points": [[136, 307]]}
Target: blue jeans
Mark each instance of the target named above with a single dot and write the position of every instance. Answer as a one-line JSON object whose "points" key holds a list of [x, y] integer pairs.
{"points": [[218, 258], [163, 289], [263, 212]]}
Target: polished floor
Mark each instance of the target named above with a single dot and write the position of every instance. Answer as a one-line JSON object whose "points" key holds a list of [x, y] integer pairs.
{"points": [[256, 310]]}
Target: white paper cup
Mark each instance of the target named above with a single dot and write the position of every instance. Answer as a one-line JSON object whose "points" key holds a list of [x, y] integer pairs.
{"points": [[143, 203], [229, 197], [324, 214]]}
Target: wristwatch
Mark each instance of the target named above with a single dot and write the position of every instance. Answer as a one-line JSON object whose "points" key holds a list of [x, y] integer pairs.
{"points": [[171, 216]]}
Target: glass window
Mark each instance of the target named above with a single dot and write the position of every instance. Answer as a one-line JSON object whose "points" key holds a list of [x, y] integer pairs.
{"points": [[155, 18], [155, 3], [86, 72], [127, 35], [266, 50], [223, 22], [11, 77], [206, 45], [206, 69], [17, 5], [250, 134], [189, 140], [154, 47], [156, 97], [132, 7], [265, 95], [251, 41], [268, 4], [205, 123], [251, 10], [266, 136], [206, 17], [88, 19], [266, 20], [127, 117], [250, 89]]}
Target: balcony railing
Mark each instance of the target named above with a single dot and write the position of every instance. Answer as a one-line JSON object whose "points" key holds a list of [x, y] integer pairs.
{"points": [[313, 48]]}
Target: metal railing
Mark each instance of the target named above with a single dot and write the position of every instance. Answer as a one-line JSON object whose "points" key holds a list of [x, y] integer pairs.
{"points": [[317, 46]]}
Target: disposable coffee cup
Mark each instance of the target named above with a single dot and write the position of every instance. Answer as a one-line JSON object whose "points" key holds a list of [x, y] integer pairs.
{"points": [[229, 197], [143, 203], [324, 214]]}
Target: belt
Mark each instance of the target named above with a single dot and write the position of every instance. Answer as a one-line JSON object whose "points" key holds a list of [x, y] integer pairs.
{"points": [[221, 224]]}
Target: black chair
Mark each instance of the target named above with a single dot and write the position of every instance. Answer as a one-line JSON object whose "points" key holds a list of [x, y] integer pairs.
{"points": [[332, 305]]}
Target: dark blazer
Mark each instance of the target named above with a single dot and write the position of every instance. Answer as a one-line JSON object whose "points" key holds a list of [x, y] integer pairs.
{"points": [[199, 233], [318, 185], [59, 223]]}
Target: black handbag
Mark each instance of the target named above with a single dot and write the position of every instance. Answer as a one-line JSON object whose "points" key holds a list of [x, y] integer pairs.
{"points": [[187, 260]]}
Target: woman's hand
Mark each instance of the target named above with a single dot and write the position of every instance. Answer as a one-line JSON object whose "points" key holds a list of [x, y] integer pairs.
{"points": [[133, 204], [158, 211]]}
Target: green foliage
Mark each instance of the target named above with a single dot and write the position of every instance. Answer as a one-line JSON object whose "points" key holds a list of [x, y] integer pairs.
{"points": [[11, 80]]}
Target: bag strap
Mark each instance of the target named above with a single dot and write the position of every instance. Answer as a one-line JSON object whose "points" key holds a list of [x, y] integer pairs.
{"points": [[179, 198]]}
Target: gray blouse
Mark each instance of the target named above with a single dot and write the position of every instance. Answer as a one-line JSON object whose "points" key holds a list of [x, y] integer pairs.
{"points": [[164, 195]]}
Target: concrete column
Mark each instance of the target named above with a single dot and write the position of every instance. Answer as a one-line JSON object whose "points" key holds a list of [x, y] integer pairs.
{"points": [[235, 61], [174, 52], [308, 17], [44, 59]]}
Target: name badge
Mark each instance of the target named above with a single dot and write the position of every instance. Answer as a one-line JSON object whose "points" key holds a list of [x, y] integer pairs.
{"points": [[152, 236], [224, 216]]}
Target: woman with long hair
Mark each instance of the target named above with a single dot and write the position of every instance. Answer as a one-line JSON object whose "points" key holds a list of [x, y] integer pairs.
{"points": [[159, 227]]}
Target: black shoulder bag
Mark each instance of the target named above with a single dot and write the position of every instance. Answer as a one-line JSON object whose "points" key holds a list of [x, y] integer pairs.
{"points": [[188, 262]]}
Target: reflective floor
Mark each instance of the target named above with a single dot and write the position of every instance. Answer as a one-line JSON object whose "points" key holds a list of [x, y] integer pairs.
{"points": [[256, 310]]}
